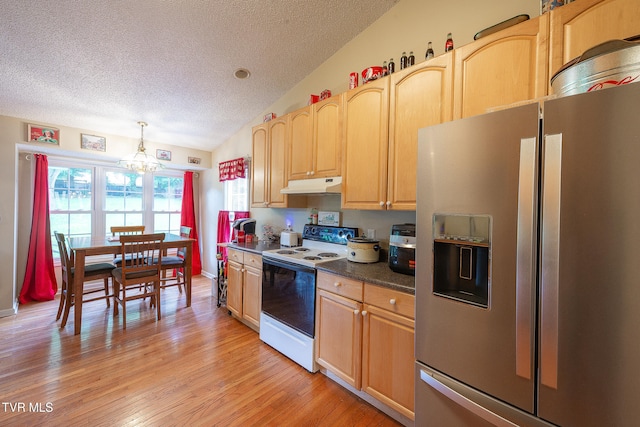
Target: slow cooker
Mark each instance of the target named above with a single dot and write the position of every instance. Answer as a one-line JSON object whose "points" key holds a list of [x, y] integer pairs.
{"points": [[363, 250]]}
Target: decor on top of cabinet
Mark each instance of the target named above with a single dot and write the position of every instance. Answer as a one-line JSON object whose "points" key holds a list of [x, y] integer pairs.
{"points": [[547, 5], [371, 73], [269, 117]]}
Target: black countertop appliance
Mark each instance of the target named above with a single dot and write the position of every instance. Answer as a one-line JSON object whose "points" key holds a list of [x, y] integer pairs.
{"points": [[402, 248]]}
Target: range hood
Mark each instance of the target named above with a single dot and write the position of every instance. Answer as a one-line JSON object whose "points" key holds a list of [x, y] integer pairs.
{"points": [[330, 185]]}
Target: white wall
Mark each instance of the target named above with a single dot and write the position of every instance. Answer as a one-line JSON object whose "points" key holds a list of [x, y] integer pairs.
{"points": [[407, 26]]}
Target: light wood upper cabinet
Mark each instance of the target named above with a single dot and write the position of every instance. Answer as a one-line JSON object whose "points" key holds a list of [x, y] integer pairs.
{"points": [[301, 144], [278, 161], [327, 137], [583, 24], [366, 145], [269, 166], [420, 97], [259, 165], [503, 68], [315, 148]]}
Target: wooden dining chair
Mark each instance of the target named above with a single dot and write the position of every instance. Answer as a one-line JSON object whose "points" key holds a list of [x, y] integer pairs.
{"points": [[138, 278], [124, 230], [176, 262], [95, 271]]}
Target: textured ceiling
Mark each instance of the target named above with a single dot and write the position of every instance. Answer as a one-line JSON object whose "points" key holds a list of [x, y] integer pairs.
{"points": [[105, 65]]}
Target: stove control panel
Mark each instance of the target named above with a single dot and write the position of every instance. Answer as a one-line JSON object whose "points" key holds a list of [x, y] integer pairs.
{"points": [[329, 234]]}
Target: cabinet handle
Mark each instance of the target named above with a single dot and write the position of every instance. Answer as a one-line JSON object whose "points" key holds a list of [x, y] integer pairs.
{"points": [[356, 311], [388, 203], [312, 173], [381, 203], [364, 313], [392, 301], [308, 173], [337, 284]]}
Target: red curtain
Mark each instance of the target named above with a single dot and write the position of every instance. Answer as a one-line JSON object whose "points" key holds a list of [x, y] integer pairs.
{"points": [[224, 228], [40, 278], [231, 169], [188, 219]]}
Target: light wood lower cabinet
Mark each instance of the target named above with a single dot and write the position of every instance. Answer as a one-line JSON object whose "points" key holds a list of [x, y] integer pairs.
{"points": [[244, 286], [365, 336]]}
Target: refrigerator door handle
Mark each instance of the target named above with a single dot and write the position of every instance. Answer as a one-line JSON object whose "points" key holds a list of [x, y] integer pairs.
{"points": [[550, 274], [466, 403], [525, 256]]}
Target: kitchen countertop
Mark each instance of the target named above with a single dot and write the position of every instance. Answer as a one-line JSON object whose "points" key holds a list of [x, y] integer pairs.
{"points": [[377, 273], [256, 247]]}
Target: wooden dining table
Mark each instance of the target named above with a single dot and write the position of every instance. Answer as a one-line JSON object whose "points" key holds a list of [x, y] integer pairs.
{"points": [[83, 247]]}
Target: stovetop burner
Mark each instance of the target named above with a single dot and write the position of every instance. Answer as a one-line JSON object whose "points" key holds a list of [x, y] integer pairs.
{"points": [[319, 244]]}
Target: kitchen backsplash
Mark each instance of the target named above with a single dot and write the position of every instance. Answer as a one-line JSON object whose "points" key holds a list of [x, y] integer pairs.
{"points": [[380, 221]]}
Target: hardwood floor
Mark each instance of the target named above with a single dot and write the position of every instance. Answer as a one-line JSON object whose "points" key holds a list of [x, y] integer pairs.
{"points": [[197, 366]]}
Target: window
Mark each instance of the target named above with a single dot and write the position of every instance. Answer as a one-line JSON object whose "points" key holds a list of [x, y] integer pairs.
{"points": [[167, 204], [236, 195], [123, 199], [88, 200], [70, 202]]}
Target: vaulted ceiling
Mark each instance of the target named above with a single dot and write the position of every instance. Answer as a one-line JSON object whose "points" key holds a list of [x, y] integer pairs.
{"points": [[105, 65]]}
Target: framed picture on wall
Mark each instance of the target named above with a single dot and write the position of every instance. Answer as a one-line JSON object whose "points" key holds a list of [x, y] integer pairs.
{"points": [[163, 154], [194, 160], [93, 142], [37, 133]]}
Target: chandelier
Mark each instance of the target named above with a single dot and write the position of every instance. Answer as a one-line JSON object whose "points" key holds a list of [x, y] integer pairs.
{"points": [[140, 161]]}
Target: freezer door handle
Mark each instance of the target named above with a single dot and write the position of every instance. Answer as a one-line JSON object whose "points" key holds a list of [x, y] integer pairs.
{"points": [[466, 403], [550, 274], [525, 256]]}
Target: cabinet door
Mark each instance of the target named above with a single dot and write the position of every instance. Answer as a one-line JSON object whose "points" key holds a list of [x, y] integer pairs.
{"points": [[259, 166], [366, 145], [420, 97], [234, 288], [327, 137], [503, 68], [388, 358], [277, 174], [338, 336], [252, 295], [300, 144], [583, 24]]}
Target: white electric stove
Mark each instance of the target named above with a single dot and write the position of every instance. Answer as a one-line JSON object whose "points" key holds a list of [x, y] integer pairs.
{"points": [[287, 320]]}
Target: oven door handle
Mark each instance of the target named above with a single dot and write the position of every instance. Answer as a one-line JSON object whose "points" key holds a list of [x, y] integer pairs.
{"points": [[288, 265]]}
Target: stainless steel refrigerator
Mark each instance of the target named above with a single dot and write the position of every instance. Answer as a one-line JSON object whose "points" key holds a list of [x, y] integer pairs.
{"points": [[528, 265]]}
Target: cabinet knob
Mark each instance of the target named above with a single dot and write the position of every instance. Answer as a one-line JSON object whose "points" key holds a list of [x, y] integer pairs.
{"points": [[265, 203], [392, 301], [381, 203], [356, 311], [337, 284], [308, 173], [312, 173], [364, 313], [388, 203]]}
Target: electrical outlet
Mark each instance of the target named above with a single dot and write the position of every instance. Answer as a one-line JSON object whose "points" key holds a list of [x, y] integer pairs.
{"points": [[371, 233]]}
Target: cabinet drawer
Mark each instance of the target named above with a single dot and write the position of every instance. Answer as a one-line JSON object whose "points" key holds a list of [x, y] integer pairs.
{"points": [[253, 260], [390, 299], [340, 285], [235, 255]]}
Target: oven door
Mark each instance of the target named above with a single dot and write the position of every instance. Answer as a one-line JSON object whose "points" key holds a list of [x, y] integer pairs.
{"points": [[289, 294]]}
